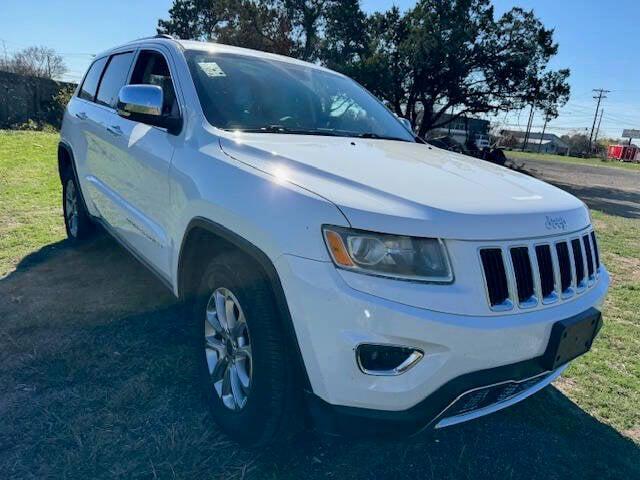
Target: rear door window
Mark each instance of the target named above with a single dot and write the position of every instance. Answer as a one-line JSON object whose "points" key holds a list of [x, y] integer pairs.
{"points": [[114, 78], [90, 84]]}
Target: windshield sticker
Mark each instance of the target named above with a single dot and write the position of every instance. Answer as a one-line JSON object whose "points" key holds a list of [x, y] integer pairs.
{"points": [[211, 69]]}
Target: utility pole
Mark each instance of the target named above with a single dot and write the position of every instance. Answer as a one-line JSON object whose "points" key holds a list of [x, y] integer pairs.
{"points": [[595, 139], [601, 95], [546, 120], [529, 125]]}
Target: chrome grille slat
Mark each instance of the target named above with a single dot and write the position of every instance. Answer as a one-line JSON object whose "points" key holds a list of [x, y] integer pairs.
{"points": [[579, 263], [586, 243], [595, 250], [495, 277], [544, 261], [524, 275], [565, 265]]}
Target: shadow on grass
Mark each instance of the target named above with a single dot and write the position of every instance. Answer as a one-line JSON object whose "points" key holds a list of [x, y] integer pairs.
{"points": [[97, 381]]}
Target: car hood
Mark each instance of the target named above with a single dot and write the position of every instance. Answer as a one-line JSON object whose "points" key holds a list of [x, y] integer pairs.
{"points": [[411, 188]]}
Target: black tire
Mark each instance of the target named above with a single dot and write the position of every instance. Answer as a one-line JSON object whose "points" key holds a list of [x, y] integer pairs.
{"points": [[81, 227], [271, 412]]}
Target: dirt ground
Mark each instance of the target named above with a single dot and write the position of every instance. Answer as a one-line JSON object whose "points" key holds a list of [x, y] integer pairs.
{"points": [[97, 381], [610, 190]]}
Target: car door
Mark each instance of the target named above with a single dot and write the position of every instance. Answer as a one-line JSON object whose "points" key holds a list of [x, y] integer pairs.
{"points": [[103, 160], [82, 129], [137, 162]]}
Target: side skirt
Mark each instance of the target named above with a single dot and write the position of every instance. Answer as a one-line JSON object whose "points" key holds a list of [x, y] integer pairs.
{"points": [[127, 246]]}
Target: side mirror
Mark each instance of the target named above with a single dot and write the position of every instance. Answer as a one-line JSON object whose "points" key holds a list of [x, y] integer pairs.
{"points": [[407, 123], [143, 103]]}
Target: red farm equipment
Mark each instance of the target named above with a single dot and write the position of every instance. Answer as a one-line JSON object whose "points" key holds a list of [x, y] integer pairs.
{"points": [[624, 153]]}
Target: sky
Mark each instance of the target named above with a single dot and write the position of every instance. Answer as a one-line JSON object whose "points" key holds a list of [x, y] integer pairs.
{"points": [[598, 42]]}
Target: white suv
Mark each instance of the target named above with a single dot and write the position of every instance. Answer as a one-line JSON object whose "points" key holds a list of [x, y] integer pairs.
{"points": [[336, 267]]}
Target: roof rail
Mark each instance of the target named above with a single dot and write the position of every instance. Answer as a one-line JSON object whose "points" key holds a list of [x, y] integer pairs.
{"points": [[159, 35]]}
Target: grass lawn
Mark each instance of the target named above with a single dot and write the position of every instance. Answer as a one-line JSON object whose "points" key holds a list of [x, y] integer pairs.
{"points": [[30, 195], [606, 382], [96, 371], [594, 162]]}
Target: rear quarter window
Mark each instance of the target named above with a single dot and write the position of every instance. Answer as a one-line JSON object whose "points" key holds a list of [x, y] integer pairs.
{"points": [[91, 80]]}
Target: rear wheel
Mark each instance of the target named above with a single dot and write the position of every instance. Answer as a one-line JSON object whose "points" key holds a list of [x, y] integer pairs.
{"points": [[246, 372], [76, 219]]}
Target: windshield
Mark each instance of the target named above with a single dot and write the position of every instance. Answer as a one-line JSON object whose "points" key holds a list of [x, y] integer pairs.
{"points": [[239, 92]]}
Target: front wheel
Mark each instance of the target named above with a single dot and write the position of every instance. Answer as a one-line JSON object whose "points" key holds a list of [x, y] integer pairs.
{"points": [[76, 219], [246, 371]]}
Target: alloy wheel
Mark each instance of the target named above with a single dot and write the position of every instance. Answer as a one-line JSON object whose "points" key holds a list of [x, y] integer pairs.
{"points": [[71, 208], [228, 349]]}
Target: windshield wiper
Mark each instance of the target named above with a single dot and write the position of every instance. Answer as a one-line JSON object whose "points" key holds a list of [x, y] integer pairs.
{"points": [[275, 128], [285, 130], [379, 137]]}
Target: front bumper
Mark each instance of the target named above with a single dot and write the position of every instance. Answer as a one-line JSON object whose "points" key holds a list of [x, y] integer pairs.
{"points": [[461, 352]]}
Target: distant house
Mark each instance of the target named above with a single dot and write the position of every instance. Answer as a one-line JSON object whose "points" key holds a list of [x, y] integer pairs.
{"points": [[547, 143], [463, 130]]}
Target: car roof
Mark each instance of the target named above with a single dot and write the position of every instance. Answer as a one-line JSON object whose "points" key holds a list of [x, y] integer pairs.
{"points": [[214, 48], [222, 48]]}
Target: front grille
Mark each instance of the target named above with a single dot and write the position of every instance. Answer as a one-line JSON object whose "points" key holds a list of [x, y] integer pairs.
{"points": [[523, 273], [488, 396], [544, 271], [495, 276]]}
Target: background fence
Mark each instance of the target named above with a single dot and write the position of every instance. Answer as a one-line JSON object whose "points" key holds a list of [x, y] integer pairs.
{"points": [[24, 98]]}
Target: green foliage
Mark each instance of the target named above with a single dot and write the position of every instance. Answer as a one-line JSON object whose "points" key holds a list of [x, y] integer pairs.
{"points": [[32, 125], [62, 98], [439, 55]]}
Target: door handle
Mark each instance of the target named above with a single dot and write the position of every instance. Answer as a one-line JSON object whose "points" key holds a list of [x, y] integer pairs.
{"points": [[114, 130], [81, 115]]}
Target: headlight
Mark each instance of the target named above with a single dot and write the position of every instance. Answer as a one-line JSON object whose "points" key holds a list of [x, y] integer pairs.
{"points": [[395, 256]]}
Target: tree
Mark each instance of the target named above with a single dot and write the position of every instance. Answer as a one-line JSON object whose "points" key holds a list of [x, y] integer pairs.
{"points": [[554, 94], [287, 27], [453, 55], [509, 141], [346, 36], [36, 62], [306, 18], [456, 56], [440, 56], [578, 144]]}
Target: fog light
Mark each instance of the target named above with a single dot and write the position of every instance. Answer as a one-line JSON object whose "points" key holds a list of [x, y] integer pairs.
{"points": [[386, 359]]}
